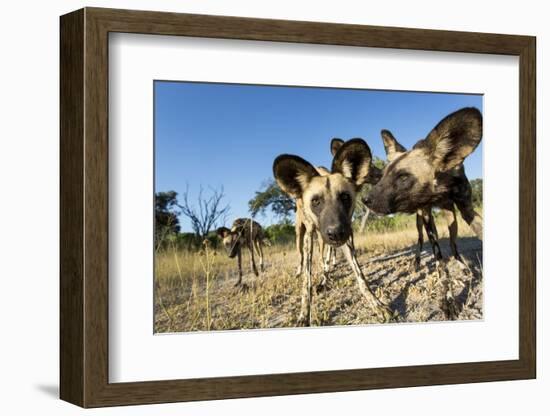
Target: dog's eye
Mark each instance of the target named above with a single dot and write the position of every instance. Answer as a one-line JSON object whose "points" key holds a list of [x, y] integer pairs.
{"points": [[403, 177], [315, 201], [345, 197]]}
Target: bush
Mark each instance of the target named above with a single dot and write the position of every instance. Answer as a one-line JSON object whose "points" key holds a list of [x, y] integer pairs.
{"points": [[387, 223], [477, 192], [280, 233]]}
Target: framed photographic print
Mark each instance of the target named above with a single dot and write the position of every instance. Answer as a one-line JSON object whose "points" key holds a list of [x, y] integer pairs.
{"points": [[255, 207]]}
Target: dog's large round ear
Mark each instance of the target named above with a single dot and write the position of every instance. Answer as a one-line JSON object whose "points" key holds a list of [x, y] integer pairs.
{"points": [[293, 174], [335, 144], [222, 232], [392, 147], [454, 138], [353, 160]]}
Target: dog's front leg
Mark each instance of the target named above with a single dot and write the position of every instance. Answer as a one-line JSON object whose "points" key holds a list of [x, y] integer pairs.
{"points": [[415, 264], [431, 231], [305, 313], [324, 257], [239, 263], [381, 308], [260, 251], [332, 255], [450, 216], [252, 261], [300, 230]]}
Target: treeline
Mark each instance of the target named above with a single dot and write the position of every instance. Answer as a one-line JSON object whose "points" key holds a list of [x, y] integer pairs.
{"points": [[209, 212], [275, 234]]}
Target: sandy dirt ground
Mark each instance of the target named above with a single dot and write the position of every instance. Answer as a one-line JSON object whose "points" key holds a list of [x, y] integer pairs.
{"points": [[272, 300]]}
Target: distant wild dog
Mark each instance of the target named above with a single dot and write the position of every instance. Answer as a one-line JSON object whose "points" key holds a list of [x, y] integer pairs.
{"points": [[431, 174], [462, 194], [326, 206], [243, 233]]}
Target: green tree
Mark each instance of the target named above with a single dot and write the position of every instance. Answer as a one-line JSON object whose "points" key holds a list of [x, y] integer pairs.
{"points": [[166, 215], [281, 233], [477, 191], [271, 196]]}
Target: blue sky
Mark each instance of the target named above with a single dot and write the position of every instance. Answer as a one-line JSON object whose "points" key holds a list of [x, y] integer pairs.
{"points": [[229, 134]]}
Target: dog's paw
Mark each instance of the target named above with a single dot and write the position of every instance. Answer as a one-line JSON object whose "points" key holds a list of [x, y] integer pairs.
{"points": [[303, 321], [451, 308], [414, 265], [386, 314], [241, 287], [324, 286]]}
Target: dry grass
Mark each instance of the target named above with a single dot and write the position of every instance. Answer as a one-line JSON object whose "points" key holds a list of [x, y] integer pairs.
{"points": [[195, 290], [385, 242]]}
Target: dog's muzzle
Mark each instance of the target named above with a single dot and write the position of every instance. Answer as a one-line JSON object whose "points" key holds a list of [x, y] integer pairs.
{"points": [[375, 204]]}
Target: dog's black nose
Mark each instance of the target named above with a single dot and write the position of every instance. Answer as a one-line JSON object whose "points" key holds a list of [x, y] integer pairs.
{"points": [[335, 233]]}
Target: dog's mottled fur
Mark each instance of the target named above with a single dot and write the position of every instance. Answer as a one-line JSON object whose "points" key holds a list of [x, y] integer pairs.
{"points": [[326, 205], [243, 233]]}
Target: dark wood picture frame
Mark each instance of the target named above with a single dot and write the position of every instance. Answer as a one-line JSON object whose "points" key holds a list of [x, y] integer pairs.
{"points": [[84, 207]]}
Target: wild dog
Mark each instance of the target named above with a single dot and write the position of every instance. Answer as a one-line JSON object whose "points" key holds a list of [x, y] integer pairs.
{"points": [[327, 204], [431, 174], [244, 232], [326, 252], [424, 216]]}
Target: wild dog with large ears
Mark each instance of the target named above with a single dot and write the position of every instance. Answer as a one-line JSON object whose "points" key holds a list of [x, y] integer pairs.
{"points": [[424, 216], [244, 232], [327, 252], [327, 203], [429, 174]]}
